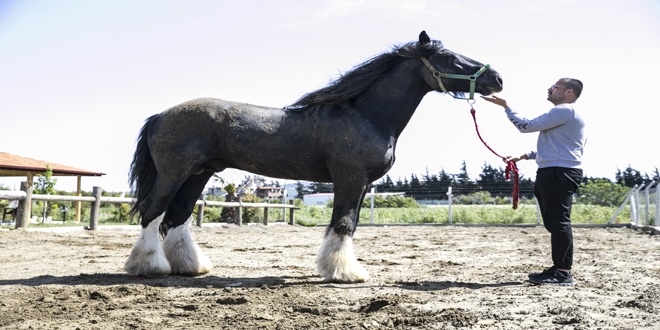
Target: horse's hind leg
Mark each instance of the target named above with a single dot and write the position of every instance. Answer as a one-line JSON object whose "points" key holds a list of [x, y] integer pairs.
{"points": [[147, 256], [182, 252], [336, 260]]}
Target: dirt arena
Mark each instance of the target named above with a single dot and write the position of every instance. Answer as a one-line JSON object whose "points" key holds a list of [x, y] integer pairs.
{"points": [[423, 277]]}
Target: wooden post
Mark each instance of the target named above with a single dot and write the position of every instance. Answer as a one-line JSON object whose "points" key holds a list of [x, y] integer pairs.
{"points": [[78, 204], [239, 212], [24, 212], [96, 206], [292, 220], [266, 210], [200, 211]]}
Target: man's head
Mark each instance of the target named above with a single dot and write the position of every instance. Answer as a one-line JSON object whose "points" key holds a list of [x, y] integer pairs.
{"points": [[565, 90]]}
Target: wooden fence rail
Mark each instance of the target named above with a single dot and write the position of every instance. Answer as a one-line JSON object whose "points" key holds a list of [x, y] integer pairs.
{"points": [[25, 198]]}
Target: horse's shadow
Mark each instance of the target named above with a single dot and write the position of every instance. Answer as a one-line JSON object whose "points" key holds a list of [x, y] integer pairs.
{"points": [[445, 285], [110, 279]]}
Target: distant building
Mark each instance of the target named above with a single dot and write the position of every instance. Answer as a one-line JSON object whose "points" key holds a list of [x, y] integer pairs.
{"points": [[269, 192], [320, 199], [216, 191]]}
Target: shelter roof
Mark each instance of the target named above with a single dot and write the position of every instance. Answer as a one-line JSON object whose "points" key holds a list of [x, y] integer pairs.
{"points": [[14, 165]]}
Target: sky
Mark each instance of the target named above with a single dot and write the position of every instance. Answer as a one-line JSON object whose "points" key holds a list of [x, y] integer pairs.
{"points": [[78, 78]]}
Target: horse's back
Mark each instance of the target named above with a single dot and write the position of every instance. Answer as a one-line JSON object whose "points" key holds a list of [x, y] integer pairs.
{"points": [[263, 140], [218, 106]]}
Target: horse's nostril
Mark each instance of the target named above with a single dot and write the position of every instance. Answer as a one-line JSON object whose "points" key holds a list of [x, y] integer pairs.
{"points": [[499, 81]]}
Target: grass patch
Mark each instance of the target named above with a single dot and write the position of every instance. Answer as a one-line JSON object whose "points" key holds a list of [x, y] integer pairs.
{"points": [[465, 214], [461, 214]]}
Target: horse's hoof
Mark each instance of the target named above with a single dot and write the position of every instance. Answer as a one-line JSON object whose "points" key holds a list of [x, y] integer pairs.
{"points": [[147, 257], [183, 253], [136, 267], [336, 261]]}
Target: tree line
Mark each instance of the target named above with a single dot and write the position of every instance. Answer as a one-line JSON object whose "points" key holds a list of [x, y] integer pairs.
{"points": [[434, 186], [492, 180]]}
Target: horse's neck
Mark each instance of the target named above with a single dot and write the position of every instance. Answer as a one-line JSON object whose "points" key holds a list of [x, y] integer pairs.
{"points": [[396, 96]]}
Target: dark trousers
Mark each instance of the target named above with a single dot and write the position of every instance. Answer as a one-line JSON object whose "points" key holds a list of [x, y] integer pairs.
{"points": [[554, 189]]}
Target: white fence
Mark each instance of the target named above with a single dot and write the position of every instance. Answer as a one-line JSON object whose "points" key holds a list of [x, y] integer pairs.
{"points": [[643, 200]]}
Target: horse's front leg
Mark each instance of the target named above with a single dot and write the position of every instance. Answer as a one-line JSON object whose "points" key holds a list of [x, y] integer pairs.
{"points": [[336, 260]]}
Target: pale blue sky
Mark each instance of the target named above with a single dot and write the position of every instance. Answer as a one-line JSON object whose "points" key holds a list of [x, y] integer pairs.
{"points": [[78, 78]]}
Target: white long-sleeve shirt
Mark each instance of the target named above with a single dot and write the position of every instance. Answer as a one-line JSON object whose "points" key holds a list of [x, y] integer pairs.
{"points": [[561, 138]]}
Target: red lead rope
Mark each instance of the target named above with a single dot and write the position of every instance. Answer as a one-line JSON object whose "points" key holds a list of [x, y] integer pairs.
{"points": [[510, 166]]}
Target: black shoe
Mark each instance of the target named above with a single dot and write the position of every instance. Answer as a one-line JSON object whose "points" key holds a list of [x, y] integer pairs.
{"points": [[557, 277], [546, 272]]}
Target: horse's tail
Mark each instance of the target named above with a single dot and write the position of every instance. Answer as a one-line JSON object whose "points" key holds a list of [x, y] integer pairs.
{"points": [[142, 174]]}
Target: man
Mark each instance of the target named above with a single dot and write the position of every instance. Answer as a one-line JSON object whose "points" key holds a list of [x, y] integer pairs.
{"points": [[559, 156]]}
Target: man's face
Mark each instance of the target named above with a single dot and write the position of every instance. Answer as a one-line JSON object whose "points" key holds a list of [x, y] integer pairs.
{"points": [[557, 92]]}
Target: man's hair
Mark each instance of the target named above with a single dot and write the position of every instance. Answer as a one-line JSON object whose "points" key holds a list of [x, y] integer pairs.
{"points": [[573, 84]]}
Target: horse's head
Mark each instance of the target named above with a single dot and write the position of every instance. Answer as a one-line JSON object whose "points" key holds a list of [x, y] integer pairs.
{"points": [[453, 72]]}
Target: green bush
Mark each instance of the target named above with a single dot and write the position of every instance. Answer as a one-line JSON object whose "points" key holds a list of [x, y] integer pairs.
{"points": [[481, 197], [251, 214], [602, 192]]}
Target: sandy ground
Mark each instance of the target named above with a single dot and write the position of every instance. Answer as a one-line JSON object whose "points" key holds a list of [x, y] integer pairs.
{"points": [[423, 277]]}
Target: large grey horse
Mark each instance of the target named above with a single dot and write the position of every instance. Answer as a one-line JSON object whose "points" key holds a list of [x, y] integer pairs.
{"points": [[344, 133]]}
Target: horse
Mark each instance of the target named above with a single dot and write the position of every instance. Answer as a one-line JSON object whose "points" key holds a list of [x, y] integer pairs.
{"points": [[345, 133]]}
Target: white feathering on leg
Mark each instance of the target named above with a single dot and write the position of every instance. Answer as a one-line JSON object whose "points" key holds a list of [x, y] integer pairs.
{"points": [[147, 256], [336, 260], [183, 253]]}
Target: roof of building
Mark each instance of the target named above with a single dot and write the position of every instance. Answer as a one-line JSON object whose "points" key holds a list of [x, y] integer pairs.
{"points": [[14, 165], [268, 187]]}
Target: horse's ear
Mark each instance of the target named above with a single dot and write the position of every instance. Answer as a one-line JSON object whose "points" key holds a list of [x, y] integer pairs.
{"points": [[424, 38]]}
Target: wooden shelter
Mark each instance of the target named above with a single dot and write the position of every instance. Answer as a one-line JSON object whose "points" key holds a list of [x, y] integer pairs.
{"points": [[18, 166]]}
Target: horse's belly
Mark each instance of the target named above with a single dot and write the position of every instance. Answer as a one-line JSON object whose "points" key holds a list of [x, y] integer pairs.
{"points": [[293, 170]]}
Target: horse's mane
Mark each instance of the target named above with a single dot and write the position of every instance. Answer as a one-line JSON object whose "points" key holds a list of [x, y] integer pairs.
{"points": [[348, 88]]}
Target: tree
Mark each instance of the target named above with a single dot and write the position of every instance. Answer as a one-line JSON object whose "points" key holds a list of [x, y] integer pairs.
{"points": [[414, 182], [399, 185], [463, 178], [386, 184], [250, 214], [436, 185], [526, 187], [463, 183], [300, 190], [216, 180], [45, 185], [602, 192], [320, 187], [445, 178], [229, 213], [490, 175], [275, 183], [493, 180], [630, 177]]}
